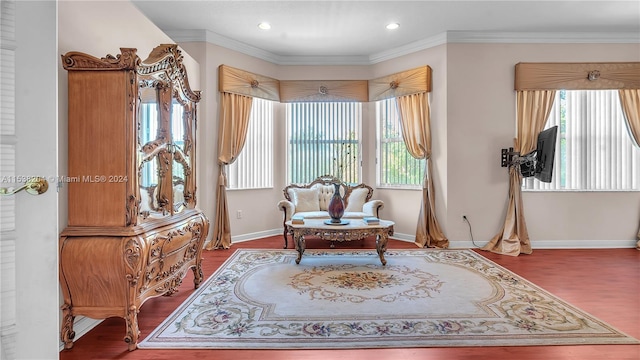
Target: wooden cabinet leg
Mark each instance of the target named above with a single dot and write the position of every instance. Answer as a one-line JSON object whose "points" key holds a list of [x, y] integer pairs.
{"points": [[66, 333], [133, 332], [197, 275]]}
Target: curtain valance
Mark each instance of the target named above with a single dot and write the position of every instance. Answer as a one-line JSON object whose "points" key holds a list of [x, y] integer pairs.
{"points": [[323, 90], [577, 76], [403, 83], [241, 82]]}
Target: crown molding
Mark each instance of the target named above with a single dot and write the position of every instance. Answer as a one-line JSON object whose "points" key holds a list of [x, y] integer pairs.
{"points": [[430, 42], [210, 37], [543, 37], [410, 48]]}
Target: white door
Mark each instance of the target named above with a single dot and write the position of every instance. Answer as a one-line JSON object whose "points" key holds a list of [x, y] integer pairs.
{"points": [[29, 147]]}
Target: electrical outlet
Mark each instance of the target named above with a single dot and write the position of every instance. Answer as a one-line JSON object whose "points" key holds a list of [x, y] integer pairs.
{"points": [[239, 214]]}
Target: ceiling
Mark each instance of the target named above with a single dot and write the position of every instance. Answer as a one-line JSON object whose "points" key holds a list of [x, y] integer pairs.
{"points": [[353, 32]]}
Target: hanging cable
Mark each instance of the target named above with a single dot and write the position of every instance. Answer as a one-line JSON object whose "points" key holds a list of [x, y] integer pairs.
{"points": [[464, 217]]}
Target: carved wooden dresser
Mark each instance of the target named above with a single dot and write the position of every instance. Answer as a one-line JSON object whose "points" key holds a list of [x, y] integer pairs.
{"points": [[131, 128]]}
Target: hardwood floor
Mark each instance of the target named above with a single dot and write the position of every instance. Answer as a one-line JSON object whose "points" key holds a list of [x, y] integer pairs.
{"points": [[602, 282]]}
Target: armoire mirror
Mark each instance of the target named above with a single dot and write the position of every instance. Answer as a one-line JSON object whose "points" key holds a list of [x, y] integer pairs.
{"points": [[180, 158], [148, 144], [166, 113]]}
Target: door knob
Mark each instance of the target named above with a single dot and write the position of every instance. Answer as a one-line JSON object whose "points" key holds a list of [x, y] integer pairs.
{"points": [[34, 186]]}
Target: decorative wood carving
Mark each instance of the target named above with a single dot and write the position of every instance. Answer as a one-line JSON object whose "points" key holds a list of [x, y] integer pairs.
{"points": [[166, 60], [114, 255], [126, 60]]}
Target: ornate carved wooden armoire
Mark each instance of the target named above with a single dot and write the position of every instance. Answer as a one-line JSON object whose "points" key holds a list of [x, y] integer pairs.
{"points": [[133, 229]]}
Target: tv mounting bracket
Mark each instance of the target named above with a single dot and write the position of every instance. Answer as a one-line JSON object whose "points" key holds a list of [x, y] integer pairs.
{"points": [[507, 156]]}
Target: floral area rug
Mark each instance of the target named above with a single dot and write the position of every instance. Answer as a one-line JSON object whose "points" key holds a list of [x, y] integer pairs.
{"points": [[260, 299]]}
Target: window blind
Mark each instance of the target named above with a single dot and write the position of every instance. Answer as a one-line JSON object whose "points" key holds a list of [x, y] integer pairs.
{"points": [[253, 169], [594, 151], [324, 139]]}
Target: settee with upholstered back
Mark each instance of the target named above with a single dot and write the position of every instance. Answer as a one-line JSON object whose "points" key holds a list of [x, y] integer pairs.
{"points": [[312, 200]]}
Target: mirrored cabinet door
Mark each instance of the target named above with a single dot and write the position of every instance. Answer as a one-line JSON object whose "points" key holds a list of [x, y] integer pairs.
{"points": [[180, 163], [150, 144], [166, 134]]}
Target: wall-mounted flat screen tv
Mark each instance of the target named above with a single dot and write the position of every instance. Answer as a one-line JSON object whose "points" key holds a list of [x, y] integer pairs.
{"points": [[545, 153]]}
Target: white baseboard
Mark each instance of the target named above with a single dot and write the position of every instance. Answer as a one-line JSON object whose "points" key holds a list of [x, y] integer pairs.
{"points": [[538, 244], [557, 244], [256, 235], [468, 244]]}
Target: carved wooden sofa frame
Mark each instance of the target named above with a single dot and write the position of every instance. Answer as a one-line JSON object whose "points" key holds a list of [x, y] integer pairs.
{"points": [[370, 207]]}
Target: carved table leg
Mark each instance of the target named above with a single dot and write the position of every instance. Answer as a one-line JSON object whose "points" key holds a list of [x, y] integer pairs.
{"points": [[300, 246], [67, 334], [381, 246]]}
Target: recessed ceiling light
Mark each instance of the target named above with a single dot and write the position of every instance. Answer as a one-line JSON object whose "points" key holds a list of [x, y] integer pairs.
{"points": [[393, 26], [264, 26]]}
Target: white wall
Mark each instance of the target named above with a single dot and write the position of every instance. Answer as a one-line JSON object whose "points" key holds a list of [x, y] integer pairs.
{"points": [[481, 121], [36, 306], [472, 118]]}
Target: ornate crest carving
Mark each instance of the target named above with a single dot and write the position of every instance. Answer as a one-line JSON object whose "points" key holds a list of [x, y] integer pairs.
{"points": [[126, 60], [165, 61]]}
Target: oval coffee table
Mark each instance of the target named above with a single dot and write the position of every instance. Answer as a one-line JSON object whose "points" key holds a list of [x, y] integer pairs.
{"points": [[356, 229]]}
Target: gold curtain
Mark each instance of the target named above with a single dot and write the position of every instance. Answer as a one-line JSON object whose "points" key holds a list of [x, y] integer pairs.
{"points": [[323, 90], [416, 132], [241, 82], [232, 134], [407, 82], [630, 100], [533, 110]]}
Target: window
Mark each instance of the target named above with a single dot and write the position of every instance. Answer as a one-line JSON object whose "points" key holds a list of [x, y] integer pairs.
{"points": [[324, 139], [396, 167], [253, 169], [594, 151]]}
